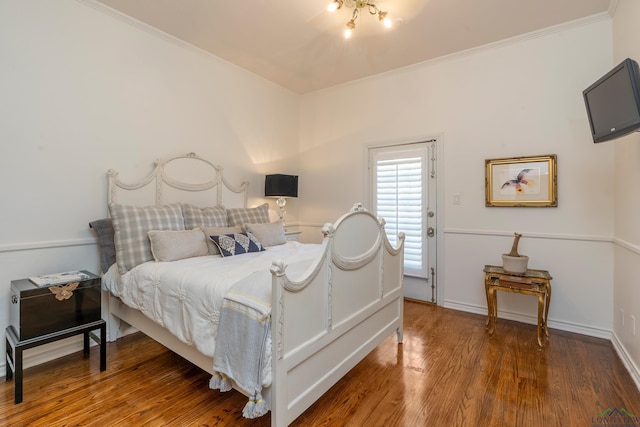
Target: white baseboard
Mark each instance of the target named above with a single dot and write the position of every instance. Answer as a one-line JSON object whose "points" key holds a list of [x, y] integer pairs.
{"points": [[532, 320], [626, 359], [591, 331]]}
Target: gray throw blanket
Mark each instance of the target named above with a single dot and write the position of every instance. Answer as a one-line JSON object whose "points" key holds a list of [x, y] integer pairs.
{"points": [[243, 331]]}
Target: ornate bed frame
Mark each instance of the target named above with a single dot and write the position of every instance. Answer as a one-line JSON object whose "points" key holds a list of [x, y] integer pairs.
{"points": [[351, 299]]}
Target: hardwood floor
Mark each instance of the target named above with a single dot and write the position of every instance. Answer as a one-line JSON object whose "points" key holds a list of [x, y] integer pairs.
{"points": [[448, 372]]}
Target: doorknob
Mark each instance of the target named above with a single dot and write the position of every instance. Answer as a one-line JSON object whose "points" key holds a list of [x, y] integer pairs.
{"points": [[431, 232]]}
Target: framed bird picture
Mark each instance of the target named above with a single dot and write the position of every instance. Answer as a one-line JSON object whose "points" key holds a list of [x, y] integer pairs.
{"points": [[522, 181]]}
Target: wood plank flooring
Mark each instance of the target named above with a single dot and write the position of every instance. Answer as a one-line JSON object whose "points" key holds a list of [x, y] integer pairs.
{"points": [[448, 372]]}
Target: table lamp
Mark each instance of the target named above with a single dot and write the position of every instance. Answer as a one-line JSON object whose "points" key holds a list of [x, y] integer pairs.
{"points": [[281, 187]]}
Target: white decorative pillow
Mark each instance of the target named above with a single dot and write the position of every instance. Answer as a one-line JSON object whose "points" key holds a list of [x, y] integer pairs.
{"points": [[269, 234], [241, 216], [215, 216], [131, 225], [175, 245], [207, 232]]}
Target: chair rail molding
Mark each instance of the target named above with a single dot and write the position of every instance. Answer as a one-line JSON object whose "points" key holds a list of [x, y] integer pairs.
{"points": [[47, 244], [531, 235]]}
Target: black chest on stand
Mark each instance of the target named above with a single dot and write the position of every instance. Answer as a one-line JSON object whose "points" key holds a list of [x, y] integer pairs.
{"points": [[37, 311]]}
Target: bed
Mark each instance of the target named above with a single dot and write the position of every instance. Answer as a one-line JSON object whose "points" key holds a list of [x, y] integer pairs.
{"points": [[300, 315]]}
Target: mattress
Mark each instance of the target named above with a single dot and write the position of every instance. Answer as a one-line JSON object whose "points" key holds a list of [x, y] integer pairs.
{"points": [[186, 296]]}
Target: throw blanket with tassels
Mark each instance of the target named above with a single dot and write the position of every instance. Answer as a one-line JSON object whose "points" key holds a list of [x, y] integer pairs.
{"points": [[242, 341]]}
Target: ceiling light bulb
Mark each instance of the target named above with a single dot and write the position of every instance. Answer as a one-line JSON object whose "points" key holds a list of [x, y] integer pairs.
{"points": [[351, 25], [382, 17], [333, 6]]}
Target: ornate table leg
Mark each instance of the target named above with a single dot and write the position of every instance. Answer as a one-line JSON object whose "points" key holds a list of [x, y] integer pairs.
{"points": [[541, 326], [493, 310], [546, 308], [486, 291]]}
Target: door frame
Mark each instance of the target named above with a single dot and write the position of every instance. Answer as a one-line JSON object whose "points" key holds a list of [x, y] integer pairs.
{"points": [[440, 209]]}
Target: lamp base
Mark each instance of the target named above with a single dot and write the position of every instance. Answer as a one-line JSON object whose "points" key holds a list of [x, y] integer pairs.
{"points": [[281, 202]]}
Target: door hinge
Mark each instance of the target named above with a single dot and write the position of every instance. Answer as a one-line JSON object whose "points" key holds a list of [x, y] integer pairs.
{"points": [[433, 285]]}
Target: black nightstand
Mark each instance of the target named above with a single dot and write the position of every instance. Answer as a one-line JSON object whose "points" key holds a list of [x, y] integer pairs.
{"points": [[40, 315]]}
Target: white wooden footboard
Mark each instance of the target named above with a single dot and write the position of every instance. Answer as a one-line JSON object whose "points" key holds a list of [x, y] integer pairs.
{"points": [[323, 325]]}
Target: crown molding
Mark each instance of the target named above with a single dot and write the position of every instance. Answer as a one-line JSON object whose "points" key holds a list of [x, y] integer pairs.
{"points": [[139, 25], [155, 32], [565, 26], [613, 6], [569, 25]]}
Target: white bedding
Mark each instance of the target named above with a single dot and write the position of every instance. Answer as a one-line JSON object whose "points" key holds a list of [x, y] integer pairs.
{"points": [[186, 296]]}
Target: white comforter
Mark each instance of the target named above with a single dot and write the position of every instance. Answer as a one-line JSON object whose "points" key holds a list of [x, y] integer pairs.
{"points": [[186, 296]]}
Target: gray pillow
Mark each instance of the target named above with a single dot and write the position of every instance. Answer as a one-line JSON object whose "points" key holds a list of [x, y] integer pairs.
{"points": [[175, 245], [104, 231], [131, 225], [215, 216], [269, 234], [217, 231], [241, 216]]}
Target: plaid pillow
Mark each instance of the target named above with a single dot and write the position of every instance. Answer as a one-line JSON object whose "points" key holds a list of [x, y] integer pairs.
{"points": [[242, 216], [194, 216], [237, 243], [131, 225]]}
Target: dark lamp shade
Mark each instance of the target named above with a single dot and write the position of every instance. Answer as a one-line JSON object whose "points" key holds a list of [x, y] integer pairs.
{"points": [[281, 185]]}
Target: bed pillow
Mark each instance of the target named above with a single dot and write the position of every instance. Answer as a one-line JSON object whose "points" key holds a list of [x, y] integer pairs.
{"points": [[104, 231], [215, 216], [175, 245], [269, 234], [131, 225], [207, 232], [241, 216], [237, 243]]}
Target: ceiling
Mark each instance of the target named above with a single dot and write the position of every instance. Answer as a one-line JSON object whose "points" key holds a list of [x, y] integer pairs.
{"points": [[299, 45]]}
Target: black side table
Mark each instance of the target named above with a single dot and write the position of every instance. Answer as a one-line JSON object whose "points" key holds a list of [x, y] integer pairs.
{"points": [[40, 315], [15, 347]]}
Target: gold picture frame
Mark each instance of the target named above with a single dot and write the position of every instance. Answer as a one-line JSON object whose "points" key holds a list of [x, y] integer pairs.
{"points": [[522, 181]]}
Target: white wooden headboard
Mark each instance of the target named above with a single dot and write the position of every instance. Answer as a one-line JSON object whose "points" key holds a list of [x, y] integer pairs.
{"points": [[188, 178]]}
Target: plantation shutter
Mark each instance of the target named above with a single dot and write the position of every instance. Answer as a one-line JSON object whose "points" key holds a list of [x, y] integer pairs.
{"points": [[399, 197]]}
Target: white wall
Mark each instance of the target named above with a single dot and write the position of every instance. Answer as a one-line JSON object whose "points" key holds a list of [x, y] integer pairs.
{"points": [[515, 98], [626, 34], [83, 92]]}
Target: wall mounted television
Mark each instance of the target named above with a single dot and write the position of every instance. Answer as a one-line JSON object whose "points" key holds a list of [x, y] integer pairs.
{"points": [[613, 102]]}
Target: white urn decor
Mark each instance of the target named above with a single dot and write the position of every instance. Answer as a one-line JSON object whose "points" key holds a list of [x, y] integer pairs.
{"points": [[513, 262]]}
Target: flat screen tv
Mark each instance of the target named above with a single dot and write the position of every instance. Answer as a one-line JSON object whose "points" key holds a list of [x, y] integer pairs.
{"points": [[613, 102]]}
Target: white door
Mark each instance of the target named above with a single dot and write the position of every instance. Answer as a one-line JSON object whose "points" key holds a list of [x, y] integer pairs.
{"points": [[403, 187]]}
